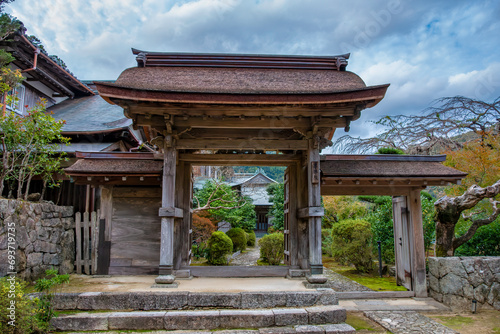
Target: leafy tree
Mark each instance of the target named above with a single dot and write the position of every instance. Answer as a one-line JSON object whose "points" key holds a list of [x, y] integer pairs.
{"points": [[351, 240], [27, 143], [339, 208], [222, 203], [276, 193]]}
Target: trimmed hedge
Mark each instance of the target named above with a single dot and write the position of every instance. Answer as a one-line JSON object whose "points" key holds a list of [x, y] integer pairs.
{"points": [[220, 247], [251, 238], [239, 238], [351, 243], [272, 248]]}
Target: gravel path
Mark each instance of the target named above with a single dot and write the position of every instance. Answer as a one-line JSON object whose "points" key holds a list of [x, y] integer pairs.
{"points": [[248, 258], [341, 283], [406, 322]]}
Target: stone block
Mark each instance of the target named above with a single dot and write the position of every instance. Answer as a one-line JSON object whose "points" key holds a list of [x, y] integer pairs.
{"points": [[34, 259], [317, 279], [159, 300], [302, 298], [87, 300], [213, 299], [327, 297], [52, 259], [332, 314], [136, 320], [452, 285], [65, 301], [493, 263], [451, 265], [263, 299], [277, 330], [433, 263], [457, 303], [191, 320], [81, 322], [290, 316], [481, 293], [246, 318], [22, 237], [338, 329], [434, 283], [309, 329], [436, 295], [494, 295]]}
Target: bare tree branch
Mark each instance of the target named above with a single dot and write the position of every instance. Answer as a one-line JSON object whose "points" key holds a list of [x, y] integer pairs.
{"points": [[434, 130]]}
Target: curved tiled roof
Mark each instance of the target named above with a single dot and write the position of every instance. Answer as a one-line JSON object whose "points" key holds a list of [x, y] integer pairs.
{"points": [[90, 114]]}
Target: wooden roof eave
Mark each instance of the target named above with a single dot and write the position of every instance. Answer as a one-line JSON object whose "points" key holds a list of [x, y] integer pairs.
{"points": [[368, 95]]}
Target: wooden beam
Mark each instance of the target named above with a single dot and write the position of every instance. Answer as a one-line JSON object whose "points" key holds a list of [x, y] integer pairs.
{"points": [[254, 122], [270, 145], [314, 211], [378, 190], [171, 212], [240, 159], [314, 201]]}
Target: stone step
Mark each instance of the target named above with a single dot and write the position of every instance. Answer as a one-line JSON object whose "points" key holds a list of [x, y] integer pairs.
{"points": [[200, 319], [178, 300], [304, 329]]}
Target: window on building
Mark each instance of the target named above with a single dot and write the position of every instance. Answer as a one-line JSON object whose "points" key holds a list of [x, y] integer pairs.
{"points": [[17, 104]]}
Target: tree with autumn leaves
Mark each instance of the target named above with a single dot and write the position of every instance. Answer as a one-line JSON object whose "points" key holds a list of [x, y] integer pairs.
{"points": [[468, 131]]}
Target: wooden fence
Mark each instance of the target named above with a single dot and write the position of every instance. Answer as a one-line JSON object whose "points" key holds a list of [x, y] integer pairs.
{"points": [[87, 242]]}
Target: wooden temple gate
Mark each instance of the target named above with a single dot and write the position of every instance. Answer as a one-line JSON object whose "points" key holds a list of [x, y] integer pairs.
{"points": [[243, 110]]}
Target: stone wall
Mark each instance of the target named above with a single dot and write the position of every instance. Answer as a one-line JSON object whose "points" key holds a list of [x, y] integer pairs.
{"points": [[44, 238], [456, 281]]}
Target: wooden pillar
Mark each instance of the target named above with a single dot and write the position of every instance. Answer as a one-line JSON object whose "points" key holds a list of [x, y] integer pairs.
{"points": [[168, 205], [179, 227], [418, 250], [315, 211], [302, 223], [292, 217], [106, 209]]}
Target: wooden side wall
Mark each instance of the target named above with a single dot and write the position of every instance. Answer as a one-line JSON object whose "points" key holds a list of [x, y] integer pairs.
{"points": [[135, 232]]}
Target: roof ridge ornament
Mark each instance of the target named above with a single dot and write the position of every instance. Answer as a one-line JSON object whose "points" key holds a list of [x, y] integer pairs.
{"points": [[172, 59]]}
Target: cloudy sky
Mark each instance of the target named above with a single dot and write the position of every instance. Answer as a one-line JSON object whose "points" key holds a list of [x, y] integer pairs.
{"points": [[425, 49]]}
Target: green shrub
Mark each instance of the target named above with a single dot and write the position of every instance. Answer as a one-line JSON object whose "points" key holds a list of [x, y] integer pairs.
{"points": [[351, 243], [486, 242], [326, 241], [220, 246], [25, 309], [251, 239], [272, 248], [239, 238], [389, 150], [47, 286]]}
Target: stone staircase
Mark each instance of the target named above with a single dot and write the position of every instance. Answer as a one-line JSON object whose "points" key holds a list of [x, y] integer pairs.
{"points": [[262, 312]]}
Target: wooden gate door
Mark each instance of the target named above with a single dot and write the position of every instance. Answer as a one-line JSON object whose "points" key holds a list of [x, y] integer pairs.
{"points": [[286, 216], [402, 247]]}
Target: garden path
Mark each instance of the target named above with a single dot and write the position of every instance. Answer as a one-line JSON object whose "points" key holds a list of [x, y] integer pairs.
{"points": [[247, 258]]}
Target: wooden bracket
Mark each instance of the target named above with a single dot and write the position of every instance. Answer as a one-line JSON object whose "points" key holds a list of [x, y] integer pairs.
{"points": [[171, 212], [312, 211]]}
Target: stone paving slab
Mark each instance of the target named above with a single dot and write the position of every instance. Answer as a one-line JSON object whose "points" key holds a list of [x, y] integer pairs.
{"points": [[401, 322], [394, 304], [321, 329], [182, 299], [196, 320]]}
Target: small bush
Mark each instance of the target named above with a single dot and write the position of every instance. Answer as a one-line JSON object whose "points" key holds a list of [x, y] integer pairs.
{"points": [[200, 250], [326, 241], [389, 150], [351, 243], [24, 310], [272, 248], [239, 238], [251, 239], [220, 246]]}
